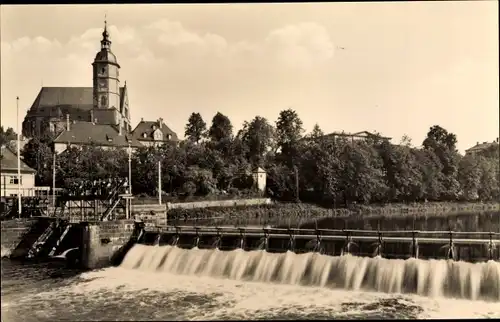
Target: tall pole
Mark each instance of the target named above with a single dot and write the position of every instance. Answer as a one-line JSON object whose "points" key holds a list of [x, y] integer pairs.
{"points": [[129, 200], [159, 182], [54, 154], [130, 168], [19, 207], [297, 198]]}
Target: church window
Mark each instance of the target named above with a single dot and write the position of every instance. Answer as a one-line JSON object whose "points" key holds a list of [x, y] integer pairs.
{"points": [[103, 101], [103, 70]]}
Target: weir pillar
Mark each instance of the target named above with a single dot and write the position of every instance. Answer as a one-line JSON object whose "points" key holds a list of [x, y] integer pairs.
{"points": [[90, 245], [105, 243]]}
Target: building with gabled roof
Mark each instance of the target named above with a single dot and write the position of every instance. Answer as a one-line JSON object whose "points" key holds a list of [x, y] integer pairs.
{"points": [[481, 147], [353, 137], [150, 133], [9, 179], [87, 133]]}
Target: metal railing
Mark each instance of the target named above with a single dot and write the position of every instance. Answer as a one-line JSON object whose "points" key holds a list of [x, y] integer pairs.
{"points": [[397, 236]]}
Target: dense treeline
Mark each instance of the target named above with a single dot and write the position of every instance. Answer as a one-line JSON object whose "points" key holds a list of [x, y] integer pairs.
{"points": [[311, 168]]}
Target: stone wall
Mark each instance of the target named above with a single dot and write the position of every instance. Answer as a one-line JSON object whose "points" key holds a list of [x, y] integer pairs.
{"points": [[219, 203], [12, 234], [102, 241]]}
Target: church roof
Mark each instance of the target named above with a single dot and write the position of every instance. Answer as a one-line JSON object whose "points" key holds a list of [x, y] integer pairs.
{"points": [[76, 97], [101, 134], [9, 162], [63, 100], [148, 127]]}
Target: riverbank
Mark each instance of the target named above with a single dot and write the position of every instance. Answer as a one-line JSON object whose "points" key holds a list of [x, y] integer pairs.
{"points": [[280, 214]]}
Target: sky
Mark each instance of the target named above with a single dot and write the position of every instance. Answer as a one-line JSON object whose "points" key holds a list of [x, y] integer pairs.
{"points": [[397, 68]]}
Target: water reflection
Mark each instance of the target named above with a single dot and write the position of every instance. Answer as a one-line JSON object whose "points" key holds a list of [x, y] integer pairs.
{"points": [[473, 222]]}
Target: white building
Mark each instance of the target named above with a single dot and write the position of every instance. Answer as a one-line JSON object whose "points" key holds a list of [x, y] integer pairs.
{"points": [[10, 182]]}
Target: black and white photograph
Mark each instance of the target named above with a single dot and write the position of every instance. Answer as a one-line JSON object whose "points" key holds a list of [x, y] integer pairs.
{"points": [[250, 161]]}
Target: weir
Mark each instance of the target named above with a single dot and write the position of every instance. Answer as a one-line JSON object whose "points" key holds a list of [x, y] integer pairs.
{"points": [[457, 279], [464, 246]]}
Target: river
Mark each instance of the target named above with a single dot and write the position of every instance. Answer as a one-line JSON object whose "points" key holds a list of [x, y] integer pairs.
{"points": [[168, 283]]}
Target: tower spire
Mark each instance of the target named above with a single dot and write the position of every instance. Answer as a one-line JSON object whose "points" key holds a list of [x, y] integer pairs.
{"points": [[105, 42]]}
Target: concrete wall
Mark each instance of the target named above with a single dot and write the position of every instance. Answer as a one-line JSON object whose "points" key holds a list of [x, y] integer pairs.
{"points": [[219, 203], [103, 240], [12, 234]]}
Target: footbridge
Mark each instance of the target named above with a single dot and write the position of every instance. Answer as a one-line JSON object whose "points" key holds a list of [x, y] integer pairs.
{"points": [[454, 245]]}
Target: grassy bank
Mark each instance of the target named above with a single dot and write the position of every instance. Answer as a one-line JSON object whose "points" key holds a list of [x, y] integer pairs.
{"points": [[281, 214]]}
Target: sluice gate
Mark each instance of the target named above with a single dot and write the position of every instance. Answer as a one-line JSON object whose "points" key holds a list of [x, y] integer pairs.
{"points": [[403, 244]]}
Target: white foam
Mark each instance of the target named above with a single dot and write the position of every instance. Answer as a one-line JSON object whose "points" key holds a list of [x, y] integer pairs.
{"points": [[434, 278], [247, 299]]}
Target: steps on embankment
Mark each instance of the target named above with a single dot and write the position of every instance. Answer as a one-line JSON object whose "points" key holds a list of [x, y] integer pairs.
{"points": [[21, 244]]}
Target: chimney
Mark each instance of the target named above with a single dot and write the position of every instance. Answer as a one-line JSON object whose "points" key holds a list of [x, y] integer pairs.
{"points": [[142, 119], [160, 122], [91, 115], [497, 140], [477, 143], [120, 128], [67, 122]]}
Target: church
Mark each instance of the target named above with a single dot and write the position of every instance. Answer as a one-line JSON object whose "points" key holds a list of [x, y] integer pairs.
{"points": [[98, 114]]}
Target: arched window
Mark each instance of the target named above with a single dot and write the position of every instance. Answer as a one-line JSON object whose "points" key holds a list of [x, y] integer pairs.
{"points": [[103, 101]]}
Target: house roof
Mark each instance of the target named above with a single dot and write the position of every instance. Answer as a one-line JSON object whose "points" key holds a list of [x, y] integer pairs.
{"points": [[357, 134], [101, 134], [9, 162], [148, 127], [361, 134], [258, 170], [481, 146]]}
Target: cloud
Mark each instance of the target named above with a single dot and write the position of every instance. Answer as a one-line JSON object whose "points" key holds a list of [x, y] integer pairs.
{"points": [[163, 57], [301, 45]]}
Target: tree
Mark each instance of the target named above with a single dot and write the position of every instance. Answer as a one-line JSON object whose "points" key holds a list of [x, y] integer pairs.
{"points": [[288, 129], [259, 139], [469, 176], [439, 136], [402, 175], [489, 188], [288, 134], [195, 128], [362, 176], [7, 136], [38, 155], [443, 144], [221, 128]]}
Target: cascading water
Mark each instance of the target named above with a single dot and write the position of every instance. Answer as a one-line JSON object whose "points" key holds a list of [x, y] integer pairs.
{"points": [[422, 277]]}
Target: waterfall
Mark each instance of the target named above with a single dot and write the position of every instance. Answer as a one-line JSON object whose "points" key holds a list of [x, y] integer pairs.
{"points": [[473, 281]]}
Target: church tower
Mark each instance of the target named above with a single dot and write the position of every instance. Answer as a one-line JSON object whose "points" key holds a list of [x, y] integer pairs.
{"points": [[106, 84]]}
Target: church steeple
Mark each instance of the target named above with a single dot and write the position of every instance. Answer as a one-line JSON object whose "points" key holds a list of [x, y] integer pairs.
{"points": [[105, 42]]}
